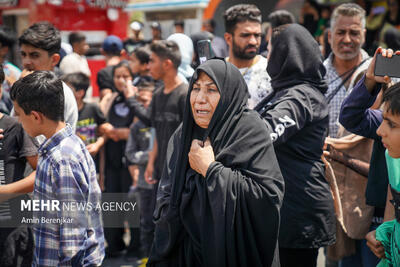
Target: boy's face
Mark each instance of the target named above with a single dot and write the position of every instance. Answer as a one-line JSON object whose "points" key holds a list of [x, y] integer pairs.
{"points": [[28, 122], [145, 97], [34, 58], [136, 66], [390, 132], [156, 67]]}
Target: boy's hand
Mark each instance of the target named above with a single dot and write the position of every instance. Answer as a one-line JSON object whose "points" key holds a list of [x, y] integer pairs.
{"points": [[148, 174], [93, 149], [374, 245], [371, 79]]}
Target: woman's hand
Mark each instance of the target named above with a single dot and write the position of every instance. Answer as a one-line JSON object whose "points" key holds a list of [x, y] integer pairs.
{"points": [[200, 157], [129, 89]]}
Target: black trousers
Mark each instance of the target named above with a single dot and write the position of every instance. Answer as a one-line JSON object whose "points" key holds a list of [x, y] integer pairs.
{"points": [[298, 257]]}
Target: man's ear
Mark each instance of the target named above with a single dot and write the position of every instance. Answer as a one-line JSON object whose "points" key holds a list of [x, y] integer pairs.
{"points": [[330, 36], [167, 64], [37, 116], [55, 58], [228, 38]]}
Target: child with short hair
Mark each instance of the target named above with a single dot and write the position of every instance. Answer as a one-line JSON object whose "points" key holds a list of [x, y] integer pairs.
{"points": [[389, 232], [65, 172], [139, 144], [17, 148]]}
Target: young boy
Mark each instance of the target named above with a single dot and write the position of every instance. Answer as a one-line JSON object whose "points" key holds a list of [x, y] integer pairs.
{"points": [[389, 232], [140, 143], [17, 148], [90, 118], [65, 172]]}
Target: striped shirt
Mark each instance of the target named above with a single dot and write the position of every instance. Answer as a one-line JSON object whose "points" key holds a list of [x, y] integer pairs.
{"points": [[66, 172]]}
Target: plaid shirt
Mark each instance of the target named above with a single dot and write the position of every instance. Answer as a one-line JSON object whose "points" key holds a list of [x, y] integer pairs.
{"points": [[66, 172], [334, 81]]}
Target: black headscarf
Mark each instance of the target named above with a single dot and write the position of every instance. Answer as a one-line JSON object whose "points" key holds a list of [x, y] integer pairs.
{"points": [[296, 59], [230, 218]]}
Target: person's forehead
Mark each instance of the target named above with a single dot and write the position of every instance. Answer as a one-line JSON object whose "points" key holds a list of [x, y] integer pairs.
{"points": [[30, 49], [247, 26], [344, 22]]}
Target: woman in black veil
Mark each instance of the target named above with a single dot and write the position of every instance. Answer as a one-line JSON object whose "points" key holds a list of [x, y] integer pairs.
{"points": [[221, 190]]}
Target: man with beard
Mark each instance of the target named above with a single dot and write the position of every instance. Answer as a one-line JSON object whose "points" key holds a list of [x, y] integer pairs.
{"points": [[347, 59], [243, 36]]}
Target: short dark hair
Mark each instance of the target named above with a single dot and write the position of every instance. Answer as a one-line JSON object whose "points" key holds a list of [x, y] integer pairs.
{"points": [[241, 13], [42, 35], [167, 50], [146, 86], [7, 36], [125, 64], [76, 37], [40, 91], [142, 54], [391, 97], [179, 23], [78, 80], [2, 76], [280, 17]]}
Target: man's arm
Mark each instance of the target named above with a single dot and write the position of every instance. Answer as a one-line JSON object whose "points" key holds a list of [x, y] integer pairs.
{"points": [[148, 175], [356, 115]]}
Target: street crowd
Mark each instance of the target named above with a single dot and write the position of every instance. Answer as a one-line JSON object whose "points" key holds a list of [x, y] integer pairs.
{"points": [[279, 142]]}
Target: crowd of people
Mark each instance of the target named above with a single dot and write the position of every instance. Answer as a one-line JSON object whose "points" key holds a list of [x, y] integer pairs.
{"points": [[259, 156]]}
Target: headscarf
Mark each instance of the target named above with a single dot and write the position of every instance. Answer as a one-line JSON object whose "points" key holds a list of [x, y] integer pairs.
{"points": [[219, 218], [186, 48], [296, 59]]}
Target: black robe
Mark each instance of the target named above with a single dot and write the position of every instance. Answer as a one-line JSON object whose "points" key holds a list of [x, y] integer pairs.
{"points": [[230, 217]]}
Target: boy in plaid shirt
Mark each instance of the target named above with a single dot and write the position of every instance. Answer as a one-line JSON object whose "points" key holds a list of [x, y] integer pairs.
{"points": [[65, 173]]}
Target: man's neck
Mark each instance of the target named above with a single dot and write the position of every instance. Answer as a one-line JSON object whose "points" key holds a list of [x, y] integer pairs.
{"points": [[80, 104], [112, 61], [52, 128], [171, 81], [344, 65], [243, 63]]}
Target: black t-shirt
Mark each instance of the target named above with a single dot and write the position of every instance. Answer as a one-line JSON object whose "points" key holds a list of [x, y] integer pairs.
{"points": [[15, 146], [166, 115], [89, 118], [105, 79], [119, 116]]}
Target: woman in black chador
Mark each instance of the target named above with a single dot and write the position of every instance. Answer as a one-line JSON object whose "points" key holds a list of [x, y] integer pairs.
{"points": [[219, 196]]}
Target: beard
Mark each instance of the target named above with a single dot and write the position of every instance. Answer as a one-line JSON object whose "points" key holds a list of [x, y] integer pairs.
{"points": [[241, 53]]}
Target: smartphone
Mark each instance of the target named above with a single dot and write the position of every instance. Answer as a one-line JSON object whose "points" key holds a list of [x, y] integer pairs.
{"points": [[205, 51], [387, 66]]}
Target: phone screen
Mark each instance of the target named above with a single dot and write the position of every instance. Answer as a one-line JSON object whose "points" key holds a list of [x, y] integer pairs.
{"points": [[387, 66], [205, 50]]}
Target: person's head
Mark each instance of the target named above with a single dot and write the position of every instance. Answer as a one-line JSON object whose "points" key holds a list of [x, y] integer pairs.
{"points": [[40, 45], [392, 38], [296, 58], [243, 31], [179, 26], [38, 99], [186, 49], [112, 46], [136, 28], [78, 42], [204, 99], [122, 74], [278, 18], [347, 34], [7, 40], [79, 82], [209, 25], [156, 30], [139, 60], [389, 130], [145, 93], [165, 58]]}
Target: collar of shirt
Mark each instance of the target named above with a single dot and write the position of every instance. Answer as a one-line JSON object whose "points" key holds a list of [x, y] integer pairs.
{"points": [[55, 140], [329, 62]]}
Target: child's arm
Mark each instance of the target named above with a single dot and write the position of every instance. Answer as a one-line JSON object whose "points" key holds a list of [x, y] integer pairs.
{"points": [[95, 147], [22, 186]]}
